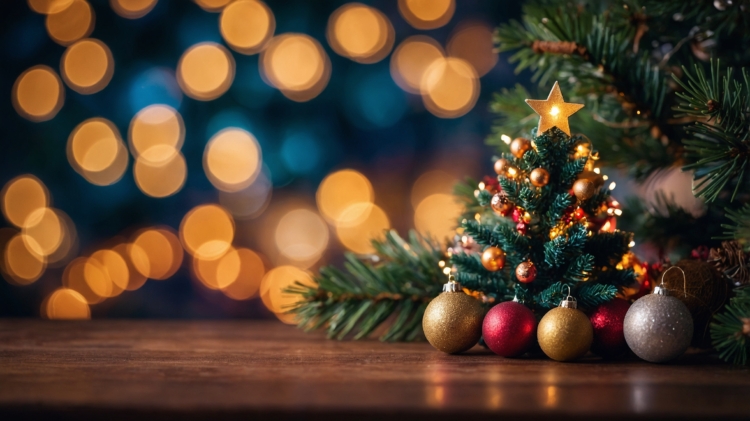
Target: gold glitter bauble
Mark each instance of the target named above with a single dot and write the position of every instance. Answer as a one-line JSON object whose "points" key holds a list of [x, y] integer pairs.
{"points": [[493, 259], [519, 146], [501, 165], [553, 111], [452, 322], [539, 177], [500, 204], [584, 189], [565, 334]]}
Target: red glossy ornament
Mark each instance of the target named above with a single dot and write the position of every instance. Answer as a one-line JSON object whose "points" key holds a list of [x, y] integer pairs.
{"points": [[509, 329], [579, 213], [516, 215], [607, 320], [521, 227]]}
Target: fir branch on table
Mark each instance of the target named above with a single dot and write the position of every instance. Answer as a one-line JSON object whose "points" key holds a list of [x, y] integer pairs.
{"points": [[730, 330], [392, 287]]}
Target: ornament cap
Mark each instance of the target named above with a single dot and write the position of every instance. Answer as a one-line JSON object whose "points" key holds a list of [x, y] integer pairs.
{"points": [[452, 285], [661, 289], [569, 301]]}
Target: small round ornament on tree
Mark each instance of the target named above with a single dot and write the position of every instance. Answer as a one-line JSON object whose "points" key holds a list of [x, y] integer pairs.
{"points": [[658, 327], [526, 272], [500, 204], [509, 329], [565, 333], [584, 189], [519, 146], [452, 322], [607, 320], [539, 177], [501, 166], [493, 259]]}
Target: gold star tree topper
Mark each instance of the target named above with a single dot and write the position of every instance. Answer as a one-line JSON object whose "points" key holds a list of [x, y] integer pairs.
{"points": [[553, 111]]}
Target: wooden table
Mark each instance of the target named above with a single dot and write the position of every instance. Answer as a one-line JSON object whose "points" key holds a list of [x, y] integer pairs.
{"points": [[221, 370]]}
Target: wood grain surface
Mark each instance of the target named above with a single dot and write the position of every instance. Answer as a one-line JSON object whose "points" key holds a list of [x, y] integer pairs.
{"points": [[185, 370]]}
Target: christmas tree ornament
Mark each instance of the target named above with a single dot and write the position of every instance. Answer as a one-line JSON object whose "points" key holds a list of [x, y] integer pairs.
{"points": [[584, 189], [539, 177], [519, 146], [658, 327], [509, 329], [553, 112], [493, 259], [705, 293], [595, 177], [501, 166], [500, 204], [526, 272], [565, 333], [452, 322], [607, 320], [522, 228]]}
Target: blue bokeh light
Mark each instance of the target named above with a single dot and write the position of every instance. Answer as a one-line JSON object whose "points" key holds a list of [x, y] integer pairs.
{"points": [[154, 86], [374, 100], [301, 153]]}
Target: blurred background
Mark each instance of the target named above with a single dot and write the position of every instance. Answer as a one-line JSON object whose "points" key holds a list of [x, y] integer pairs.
{"points": [[190, 159]]}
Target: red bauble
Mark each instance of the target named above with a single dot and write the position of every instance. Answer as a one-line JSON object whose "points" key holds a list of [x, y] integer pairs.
{"points": [[509, 329], [607, 320]]}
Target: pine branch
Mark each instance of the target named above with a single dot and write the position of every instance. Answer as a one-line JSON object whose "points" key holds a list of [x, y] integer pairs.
{"points": [[590, 295], [558, 250], [739, 229], [730, 330]]}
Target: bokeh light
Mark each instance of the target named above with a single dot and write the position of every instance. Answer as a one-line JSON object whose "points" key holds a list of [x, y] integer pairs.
{"points": [[46, 7], [276, 281], [156, 134], [450, 87], [360, 32], [247, 25], [21, 264], [38, 94], [411, 59], [339, 191], [250, 202], [429, 183], [427, 14], [68, 246], [74, 277], [132, 9], [66, 304], [301, 236], [212, 5], [297, 65], [207, 232], [205, 71], [472, 41], [42, 232], [106, 273], [87, 66], [358, 237], [249, 276], [220, 273], [96, 151], [21, 197], [135, 278], [437, 216], [232, 159], [71, 23], [160, 179], [156, 253]]}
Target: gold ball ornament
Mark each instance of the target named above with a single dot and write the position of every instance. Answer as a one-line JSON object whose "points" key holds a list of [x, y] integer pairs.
{"points": [[500, 204], [501, 166], [493, 259], [539, 177], [526, 272], [519, 146], [565, 333], [598, 179], [584, 189], [452, 322]]}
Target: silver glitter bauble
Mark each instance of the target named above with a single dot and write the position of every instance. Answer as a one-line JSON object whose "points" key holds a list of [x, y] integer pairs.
{"points": [[658, 328]]}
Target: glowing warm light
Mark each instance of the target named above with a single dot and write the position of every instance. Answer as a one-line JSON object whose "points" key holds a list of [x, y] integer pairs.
{"points": [[205, 71], [74, 277], [450, 87], [249, 276], [505, 138], [411, 59], [232, 159], [96, 151], [207, 231], [69, 243], [247, 25], [67, 304], [42, 232], [113, 269], [472, 42], [156, 134], [302, 236], [21, 197], [38, 94], [427, 14], [87, 66], [22, 265], [160, 180], [212, 5], [429, 183], [156, 253], [219, 273], [554, 111], [437, 216], [631, 244], [249, 202], [276, 281], [339, 191], [132, 9], [358, 238], [360, 32], [135, 278], [71, 23], [297, 65], [612, 185], [46, 7]]}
